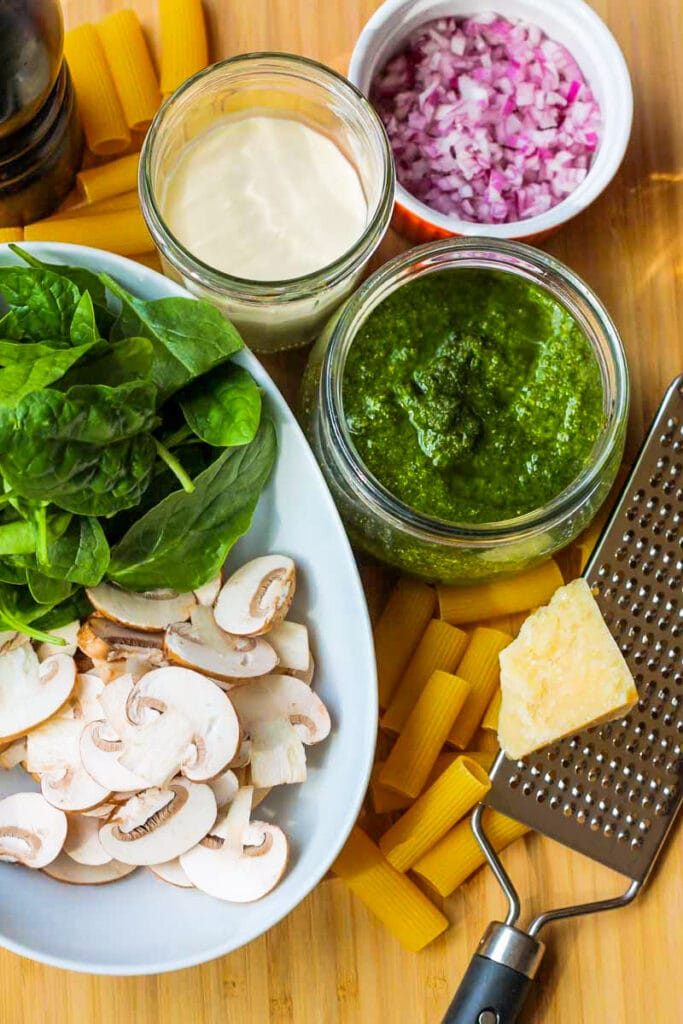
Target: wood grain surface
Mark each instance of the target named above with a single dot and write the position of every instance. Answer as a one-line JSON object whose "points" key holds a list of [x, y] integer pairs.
{"points": [[329, 962]]}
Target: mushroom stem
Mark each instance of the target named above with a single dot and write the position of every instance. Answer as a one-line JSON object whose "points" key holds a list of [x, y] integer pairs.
{"points": [[174, 465]]}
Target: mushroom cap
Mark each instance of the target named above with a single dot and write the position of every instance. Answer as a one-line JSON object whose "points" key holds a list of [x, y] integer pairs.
{"points": [[82, 841], [214, 723], [225, 787], [226, 657], [257, 596], [72, 789], [68, 633], [31, 831], [99, 751], [64, 869], [290, 640], [171, 871], [31, 691], [206, 594], [160, 824], [102, 639], [151, 611]]}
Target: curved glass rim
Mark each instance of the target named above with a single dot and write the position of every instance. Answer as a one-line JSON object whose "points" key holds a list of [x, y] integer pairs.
{"points": [[387, 279], [273, 290]]}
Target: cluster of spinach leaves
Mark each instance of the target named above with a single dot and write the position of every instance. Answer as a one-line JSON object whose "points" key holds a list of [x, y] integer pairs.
{"points": [[131, 447]]}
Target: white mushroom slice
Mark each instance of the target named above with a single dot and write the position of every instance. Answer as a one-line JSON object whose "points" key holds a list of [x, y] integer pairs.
{"points": [[72, 789], [290, 640], [215, 726], [53, 745], [151, 611], [82, 705], [82, 841], [241, 758], [103, 640], [224, 788], [156, 751], [64, 869], [307, 676], [9, 640], [31, 832], [275, 712], [69, 634], [13, 754], [172, 872], [30, 691], [99, 750], [101, 811], [257, 596], [237, 863], [160, 824], [260, 795], [227, 657], [206, 594]]}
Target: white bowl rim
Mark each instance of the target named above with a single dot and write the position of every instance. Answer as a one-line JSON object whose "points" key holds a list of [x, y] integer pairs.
{"points": [[582, 197], [62, 251]]}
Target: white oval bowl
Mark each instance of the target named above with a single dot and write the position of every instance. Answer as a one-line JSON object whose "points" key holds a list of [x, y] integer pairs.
{"points": [[570, 22], [141, 925]]}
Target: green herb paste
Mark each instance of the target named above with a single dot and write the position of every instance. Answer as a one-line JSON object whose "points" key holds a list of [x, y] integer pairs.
{"points": [[473, 396]]}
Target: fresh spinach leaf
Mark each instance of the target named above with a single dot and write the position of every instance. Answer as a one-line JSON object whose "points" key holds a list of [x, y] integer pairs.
{"points": [[82, 278], [122, 362], [223, 408], [28, 351], [11, 572], [184, 540], [18, 538], [42, 304], [77, 606], [19, 610], [83, 328], [23, 377], [190, 336], [46, 590], [80, 555]]}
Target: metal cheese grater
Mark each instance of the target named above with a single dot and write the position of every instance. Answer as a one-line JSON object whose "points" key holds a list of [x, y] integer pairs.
{"points": [[613, 791]]}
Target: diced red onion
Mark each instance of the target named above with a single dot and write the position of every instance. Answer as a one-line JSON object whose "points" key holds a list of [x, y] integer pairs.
{"points": [[489, 120]]}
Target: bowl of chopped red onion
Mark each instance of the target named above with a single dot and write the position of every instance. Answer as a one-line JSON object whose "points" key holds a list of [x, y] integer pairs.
{"points": [[504, 121]]}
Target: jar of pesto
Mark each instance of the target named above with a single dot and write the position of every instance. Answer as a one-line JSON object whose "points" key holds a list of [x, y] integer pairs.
{"points": [[468, 408]]}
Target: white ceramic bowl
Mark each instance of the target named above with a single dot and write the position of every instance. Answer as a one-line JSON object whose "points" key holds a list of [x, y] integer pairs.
{"points": [[141, 925], [570, 22]]}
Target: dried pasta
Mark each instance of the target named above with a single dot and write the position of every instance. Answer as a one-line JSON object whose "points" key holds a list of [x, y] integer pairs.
{"points": [[393, 898], [102, 116], [434, 813], [127, 201], [131, 67], [490, 719], [510, 624], [112, 179], [441, 647], [184, 46], [486, 741], [481, 668], [11, 234], [458, 855], [429, 723], [124, 232], [398, 631], [460, 605], [483, 757], [385, 800]]}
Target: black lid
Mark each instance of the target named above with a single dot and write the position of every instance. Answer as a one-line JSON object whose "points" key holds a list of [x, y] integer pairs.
{"points": [[31, 38]]}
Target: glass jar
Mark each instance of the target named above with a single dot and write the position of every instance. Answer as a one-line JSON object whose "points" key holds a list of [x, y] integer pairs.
{"points": [[271, 315], [433, 548]]}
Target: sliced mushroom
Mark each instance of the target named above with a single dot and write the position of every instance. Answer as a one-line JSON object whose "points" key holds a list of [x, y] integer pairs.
{"points": [[101, 811], [307, 676], [279, 713], [214, 725], [13, 754], [257, 596], [72, 789], [151, 611], [52, 752], [223, 657], [172, 872], [103, 640], [206, 594], [82, 841], [69, 634], [160, 824], [100, 747], [290, 640], [64, 869], [156, 751], [31, 691], [260, 795], [239, 861], [31, 832], [224, 788], [9, 640]]}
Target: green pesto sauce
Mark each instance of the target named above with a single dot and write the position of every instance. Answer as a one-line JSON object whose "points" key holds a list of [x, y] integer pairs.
{"points": [[472, 395]]}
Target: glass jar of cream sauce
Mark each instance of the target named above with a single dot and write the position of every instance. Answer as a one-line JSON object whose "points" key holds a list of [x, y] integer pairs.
{"points": [[267, 183]]}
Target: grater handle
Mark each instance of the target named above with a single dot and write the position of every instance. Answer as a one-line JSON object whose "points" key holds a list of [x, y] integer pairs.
{"points": [[498, 978]]}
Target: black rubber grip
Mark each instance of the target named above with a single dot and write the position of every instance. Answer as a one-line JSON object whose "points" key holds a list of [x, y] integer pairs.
{"points": [[490, 986]]}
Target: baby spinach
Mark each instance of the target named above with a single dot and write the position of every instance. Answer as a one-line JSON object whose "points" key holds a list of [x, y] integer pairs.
{"points": [[41, 303], [83, 329], [80, 554], [27, 376], [85, 281], [45, 590], [120, 363], [223, 408]]}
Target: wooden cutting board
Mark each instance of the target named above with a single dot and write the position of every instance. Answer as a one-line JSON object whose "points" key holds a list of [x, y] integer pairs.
{"points": [[329, 962]]}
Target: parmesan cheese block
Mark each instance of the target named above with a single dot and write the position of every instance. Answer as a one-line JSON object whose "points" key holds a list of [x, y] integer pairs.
{"points": [[563, 673]]}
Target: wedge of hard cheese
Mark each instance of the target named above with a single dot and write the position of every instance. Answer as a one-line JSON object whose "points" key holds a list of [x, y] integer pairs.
{"points": [[563, 673]]}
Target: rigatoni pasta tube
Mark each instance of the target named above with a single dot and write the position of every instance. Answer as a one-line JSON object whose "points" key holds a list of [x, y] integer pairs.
{"points": [[458, 855], [124, 232], [490, 719], [510, 624], [398, 631], [393, 898], [441, 647], [110, 179], [184, 46], [486, 741], [131, 67], [433, 814], [104, 124], [460, 605], [11, 234], [385, 800], [422, 737], [481, 668], [127, 201]]}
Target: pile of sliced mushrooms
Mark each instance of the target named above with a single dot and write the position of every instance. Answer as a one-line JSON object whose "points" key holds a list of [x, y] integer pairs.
{"points": [[157, 728]]}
